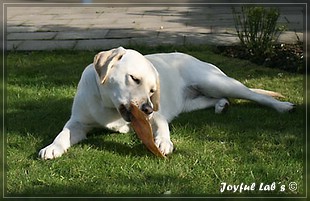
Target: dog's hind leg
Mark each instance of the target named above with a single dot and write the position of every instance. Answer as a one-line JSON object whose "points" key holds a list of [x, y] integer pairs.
{"points": [[72, 133], [203, 102], [221, 86]]}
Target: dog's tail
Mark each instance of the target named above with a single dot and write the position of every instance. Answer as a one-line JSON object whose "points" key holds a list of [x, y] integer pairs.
{"points": [[268, 93]]}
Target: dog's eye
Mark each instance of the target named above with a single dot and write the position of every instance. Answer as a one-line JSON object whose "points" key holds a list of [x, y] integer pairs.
{"points": [[136, 80], [152, 91]]}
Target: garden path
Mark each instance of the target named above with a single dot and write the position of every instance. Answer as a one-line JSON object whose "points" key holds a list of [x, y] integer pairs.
{"points": [[104, 26]]}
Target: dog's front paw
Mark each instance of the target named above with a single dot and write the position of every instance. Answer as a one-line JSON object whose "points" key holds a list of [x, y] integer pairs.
{"points": [[124, 129], [164, 145], [51, 151]]}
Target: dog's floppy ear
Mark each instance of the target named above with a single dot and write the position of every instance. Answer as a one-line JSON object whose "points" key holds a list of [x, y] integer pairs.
{"points": [[105, 60], [155, 98]]}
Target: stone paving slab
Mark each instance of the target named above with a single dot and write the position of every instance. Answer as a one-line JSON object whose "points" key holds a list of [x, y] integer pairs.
{"points": [[102, 27], [75, 35], [45, 45], [100, 44], [130, 33], [31, 36]]}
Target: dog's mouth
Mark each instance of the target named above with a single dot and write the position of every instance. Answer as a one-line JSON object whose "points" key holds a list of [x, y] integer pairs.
{"points": [[125, 112]]}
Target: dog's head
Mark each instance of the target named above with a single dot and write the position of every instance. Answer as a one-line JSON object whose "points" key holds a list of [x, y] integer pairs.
{"points": [[128, 77]]}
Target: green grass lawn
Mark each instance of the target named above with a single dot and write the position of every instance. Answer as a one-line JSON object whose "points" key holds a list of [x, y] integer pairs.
{"points": [[249, 144]]}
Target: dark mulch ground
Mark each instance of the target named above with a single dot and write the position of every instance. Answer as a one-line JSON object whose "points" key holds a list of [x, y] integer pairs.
{"points": [[288, 57]]}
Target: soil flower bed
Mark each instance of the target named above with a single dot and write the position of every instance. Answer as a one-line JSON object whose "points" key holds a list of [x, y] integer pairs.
{"points": [[288, 57]]}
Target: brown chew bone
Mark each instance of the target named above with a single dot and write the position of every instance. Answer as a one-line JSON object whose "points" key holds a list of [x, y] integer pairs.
{"points": [[143, 129]]}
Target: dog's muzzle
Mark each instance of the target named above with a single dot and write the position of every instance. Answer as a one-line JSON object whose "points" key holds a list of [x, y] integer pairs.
{"points": [[126, 112]]}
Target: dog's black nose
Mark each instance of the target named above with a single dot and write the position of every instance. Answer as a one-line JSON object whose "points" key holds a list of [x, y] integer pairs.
{"points": [[147, 109]]}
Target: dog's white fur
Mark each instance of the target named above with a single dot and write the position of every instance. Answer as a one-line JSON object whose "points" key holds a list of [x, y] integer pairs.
{"points": [[118, 77]]}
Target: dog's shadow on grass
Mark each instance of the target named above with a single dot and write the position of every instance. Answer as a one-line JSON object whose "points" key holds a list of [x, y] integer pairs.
{"points": [[242, 122], [131, 146]]}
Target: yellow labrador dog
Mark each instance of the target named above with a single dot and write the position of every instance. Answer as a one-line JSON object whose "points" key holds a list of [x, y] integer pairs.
{"points": [[161, 85]]}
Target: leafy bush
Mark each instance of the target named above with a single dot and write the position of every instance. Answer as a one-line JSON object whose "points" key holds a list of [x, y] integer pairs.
{"points": [[257, 30]]}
